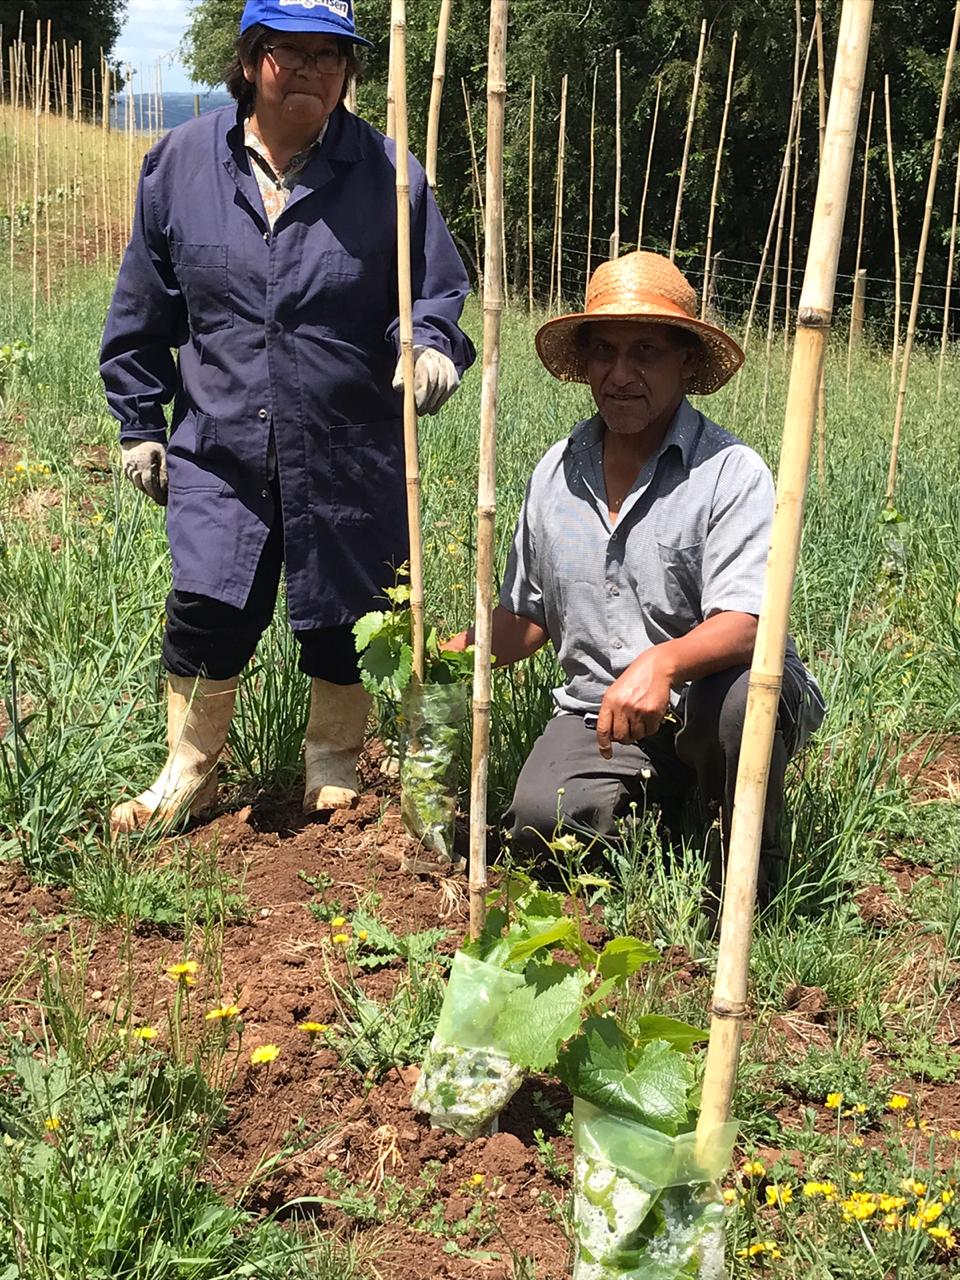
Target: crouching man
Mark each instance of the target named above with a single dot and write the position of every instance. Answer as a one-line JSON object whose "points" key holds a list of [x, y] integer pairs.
{"points": [[640, 552]]}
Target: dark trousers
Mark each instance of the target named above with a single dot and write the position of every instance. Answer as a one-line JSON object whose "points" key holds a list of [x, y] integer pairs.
{"points": [[204, 637], [565, 781]]}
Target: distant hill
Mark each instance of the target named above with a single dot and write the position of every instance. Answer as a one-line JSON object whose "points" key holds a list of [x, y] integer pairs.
{"points": [[177, 107]]}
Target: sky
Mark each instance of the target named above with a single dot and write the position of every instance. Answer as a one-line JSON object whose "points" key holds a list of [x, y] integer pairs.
{"points": [[154, 30]]}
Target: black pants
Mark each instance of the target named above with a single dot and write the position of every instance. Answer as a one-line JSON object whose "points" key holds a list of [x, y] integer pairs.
{"points": [[205, 637], [566, 781]]}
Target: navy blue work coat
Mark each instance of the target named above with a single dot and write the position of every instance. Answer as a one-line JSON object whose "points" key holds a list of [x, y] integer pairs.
{"points": [[295, 329]]}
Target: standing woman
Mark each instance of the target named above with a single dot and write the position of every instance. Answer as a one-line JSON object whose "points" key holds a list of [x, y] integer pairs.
{"points": [[264, 252]]}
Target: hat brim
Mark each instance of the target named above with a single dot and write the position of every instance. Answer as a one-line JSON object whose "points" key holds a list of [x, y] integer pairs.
{"points": [[314, 26], [557, 347]]}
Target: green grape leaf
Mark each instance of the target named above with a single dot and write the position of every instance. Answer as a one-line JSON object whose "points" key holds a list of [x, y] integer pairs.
{"points": [[622, 957], [539, 1016], [386, 666], [365, 628], [552, 933], [655, 1091], [679, 1035]]}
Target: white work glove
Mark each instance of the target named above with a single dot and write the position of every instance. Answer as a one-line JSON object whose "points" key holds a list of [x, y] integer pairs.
{"points": [[145, 466], [435, 379]]}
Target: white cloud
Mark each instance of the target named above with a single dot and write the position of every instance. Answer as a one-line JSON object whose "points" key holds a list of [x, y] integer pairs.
{"points": [[153, 32]]}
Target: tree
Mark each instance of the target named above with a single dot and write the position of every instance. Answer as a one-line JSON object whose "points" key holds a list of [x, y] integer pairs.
{"points": [[658, 40], [95, 24]]}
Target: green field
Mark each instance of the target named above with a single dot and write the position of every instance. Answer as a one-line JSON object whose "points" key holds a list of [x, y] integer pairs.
{"points": [[105, 1168]]}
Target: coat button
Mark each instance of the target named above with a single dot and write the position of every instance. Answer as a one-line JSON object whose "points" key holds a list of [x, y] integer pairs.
{"points": [[263, 415], [264, 493]]}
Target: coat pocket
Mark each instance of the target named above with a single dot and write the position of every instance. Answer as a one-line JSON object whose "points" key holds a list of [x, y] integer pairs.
{"points": [[204, 276], [367, 474]]}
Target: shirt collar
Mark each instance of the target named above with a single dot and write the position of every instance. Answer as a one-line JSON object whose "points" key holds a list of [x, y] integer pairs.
{"points": [[254, 143], [682, 432]]}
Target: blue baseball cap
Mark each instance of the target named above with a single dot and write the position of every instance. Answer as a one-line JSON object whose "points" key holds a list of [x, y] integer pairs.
{"points": [[325, 17]]}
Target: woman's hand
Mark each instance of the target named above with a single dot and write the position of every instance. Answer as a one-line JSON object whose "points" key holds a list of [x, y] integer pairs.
{"points": [[145, 466], [435, 379]]}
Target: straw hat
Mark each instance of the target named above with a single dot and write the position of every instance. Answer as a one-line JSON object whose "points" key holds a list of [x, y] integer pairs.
{"points": [[640, 286]]}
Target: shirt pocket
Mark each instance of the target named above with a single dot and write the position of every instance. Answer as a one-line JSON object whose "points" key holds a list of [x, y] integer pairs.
{"points": [[367, 481], [681, 569], [204, 276]]}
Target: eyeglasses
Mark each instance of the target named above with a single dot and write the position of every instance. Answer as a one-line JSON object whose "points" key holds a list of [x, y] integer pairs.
{"points": [[289, 58]]}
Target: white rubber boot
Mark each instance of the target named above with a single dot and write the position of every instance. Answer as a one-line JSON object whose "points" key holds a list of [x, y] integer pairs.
{"points": [[198, 719], [338, 717]]}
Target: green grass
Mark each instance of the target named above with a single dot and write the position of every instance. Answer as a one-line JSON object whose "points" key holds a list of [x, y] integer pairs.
{"points": [[83, 575]]}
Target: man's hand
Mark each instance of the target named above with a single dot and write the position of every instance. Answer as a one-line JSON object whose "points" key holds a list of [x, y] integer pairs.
{"points": [[145, 466], [435, 379], [636, 702]]}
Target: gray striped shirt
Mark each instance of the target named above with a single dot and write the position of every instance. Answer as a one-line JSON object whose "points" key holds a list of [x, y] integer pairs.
{"points": [[691, 541]]}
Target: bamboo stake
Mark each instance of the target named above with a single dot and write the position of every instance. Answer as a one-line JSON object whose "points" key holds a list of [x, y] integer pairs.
{"points": [[788, 283], [794, 117], [778, 245], [486, 484], [48, 284], [593, 169], [477, 193], [686, 142], [561, 165], [615, 238], [398, 60], [813, 322], [36, 175], [436, 91], [921, 256], [863, 214], [716, 179], [791, 235], [391, 100], [646, 176], [946, 292], [821, 390], [533, 104], [895, 216]]}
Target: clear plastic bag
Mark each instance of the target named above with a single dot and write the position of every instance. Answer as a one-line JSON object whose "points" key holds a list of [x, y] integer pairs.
{"points": [[467, 1078], [644, 1205], [433, 717]]}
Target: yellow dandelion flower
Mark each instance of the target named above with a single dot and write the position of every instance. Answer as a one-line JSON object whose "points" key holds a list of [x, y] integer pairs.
{"points": [[917, 1188], [858, 1176], [760, 1246], [834, 1101], [778, 1194], [922, 1125], [955, 1135], [145, 1033], [222, 1011], [889, 1204], [341, 939], [898, 1102], [312, 1028], [730, 1196], [186, 969], [948, 1196], [477, 1179], [891, 1222], [266, 1054], [753, 1169], [856, 1141], [943, 1236], [813, 1189], [362, 935], [929, 1211], [52, 1124], [858, 1207], [338, 922]]}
